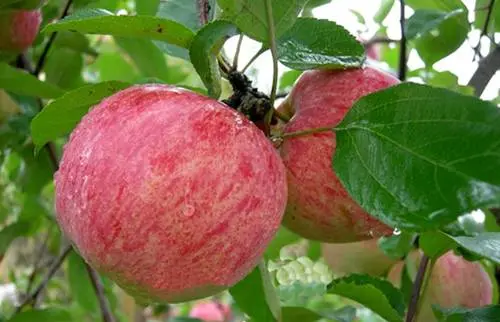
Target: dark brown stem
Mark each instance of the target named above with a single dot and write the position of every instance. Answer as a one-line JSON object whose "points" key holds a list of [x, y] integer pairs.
{"points": [[486, 69], [107, 316], [54, 267], [402, 52], [48, 45], [417, 286], [203, 11]]}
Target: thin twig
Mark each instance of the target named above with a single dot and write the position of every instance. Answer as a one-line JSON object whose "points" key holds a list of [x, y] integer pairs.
{"points": [[54, 267], [107, 316], [257, 54], [417, 286], [237, 54], [307, 132], [484, 31], [380, 40], [38, 259], [486, 69], [402, 44], [272, 42], [48, 45], [203, 11]]}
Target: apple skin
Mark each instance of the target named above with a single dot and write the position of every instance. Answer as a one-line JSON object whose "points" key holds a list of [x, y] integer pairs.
{"points": [[363, 257], [18, 29], [211, 312], [454, 282], [173, 195], [319, 207]]}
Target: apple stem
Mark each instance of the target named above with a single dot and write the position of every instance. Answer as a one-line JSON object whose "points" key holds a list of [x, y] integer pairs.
{"points": [[237, 53], [417, 287], [307, 132]]}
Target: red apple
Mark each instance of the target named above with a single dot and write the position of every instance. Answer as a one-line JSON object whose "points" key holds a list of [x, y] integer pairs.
{"points": [[364, 257], [18, 29], [173, 195], [319, 207], [211, 312], [454, 282]]}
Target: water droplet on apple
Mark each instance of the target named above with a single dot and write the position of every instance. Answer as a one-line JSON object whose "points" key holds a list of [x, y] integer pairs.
{"points": [[189, 210]]}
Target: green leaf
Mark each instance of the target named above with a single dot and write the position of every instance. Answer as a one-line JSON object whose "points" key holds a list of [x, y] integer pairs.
{"points": [[288, 79], [444, 79], [282, 238], [435, 243], [11, 232], [417, 157], [443, 5], [43, 315], [424, 21], [483, 314], [111, 66], [36, 171], [397, 246], [64, 68], [147, 57], [147, 7], [20, 4], [299, 314], [80, 284], [383, 11], [61, 115], [376, 294], [20, 82], [74, 41], [97, 21], [204, 50], [314, 43], [481, 11], [485, 245], [251, 16], [250, 295]]}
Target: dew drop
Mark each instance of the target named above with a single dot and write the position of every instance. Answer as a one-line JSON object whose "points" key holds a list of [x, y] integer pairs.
{"points": [[396, 232], [189, 210]]}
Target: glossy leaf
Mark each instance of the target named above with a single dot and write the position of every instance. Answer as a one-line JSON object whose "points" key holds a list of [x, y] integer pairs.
{"points": [[43, 315], [250, 296], [483, 314], [80, 284], [60, 116], [376, 294], [251, 16], [397, 246], [20, 82], [97, 21], [417, 157], [147, 57], [423, 21], [314, 43], [204, 50], [485, 245], [435, 244], [299, 314]]}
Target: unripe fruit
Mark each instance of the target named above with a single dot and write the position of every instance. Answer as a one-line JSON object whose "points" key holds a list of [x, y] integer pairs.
{"points": [[172, 194], [454, 282], [364, 257], [18, 29], [211, 312], [319, 207]]}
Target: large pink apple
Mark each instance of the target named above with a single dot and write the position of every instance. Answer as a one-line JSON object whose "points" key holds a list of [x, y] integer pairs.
{"points": [[319, 207], [18, 29], [172, 194], [454, 282], [211, 312], [363, 257]]}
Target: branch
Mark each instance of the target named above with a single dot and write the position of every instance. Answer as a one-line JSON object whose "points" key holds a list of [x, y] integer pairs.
{"points": [[38, 259], [380, 40], [417, 286], [43, 57], [402, 52], [107, 316], [487, 68], [203, 11], [54, 267]]}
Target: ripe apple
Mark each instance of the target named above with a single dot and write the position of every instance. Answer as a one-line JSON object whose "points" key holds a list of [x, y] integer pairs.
{"points": [[454, 282], [18, 29], [173, 195], [319, 207], [363, 257], [211, 311]]}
